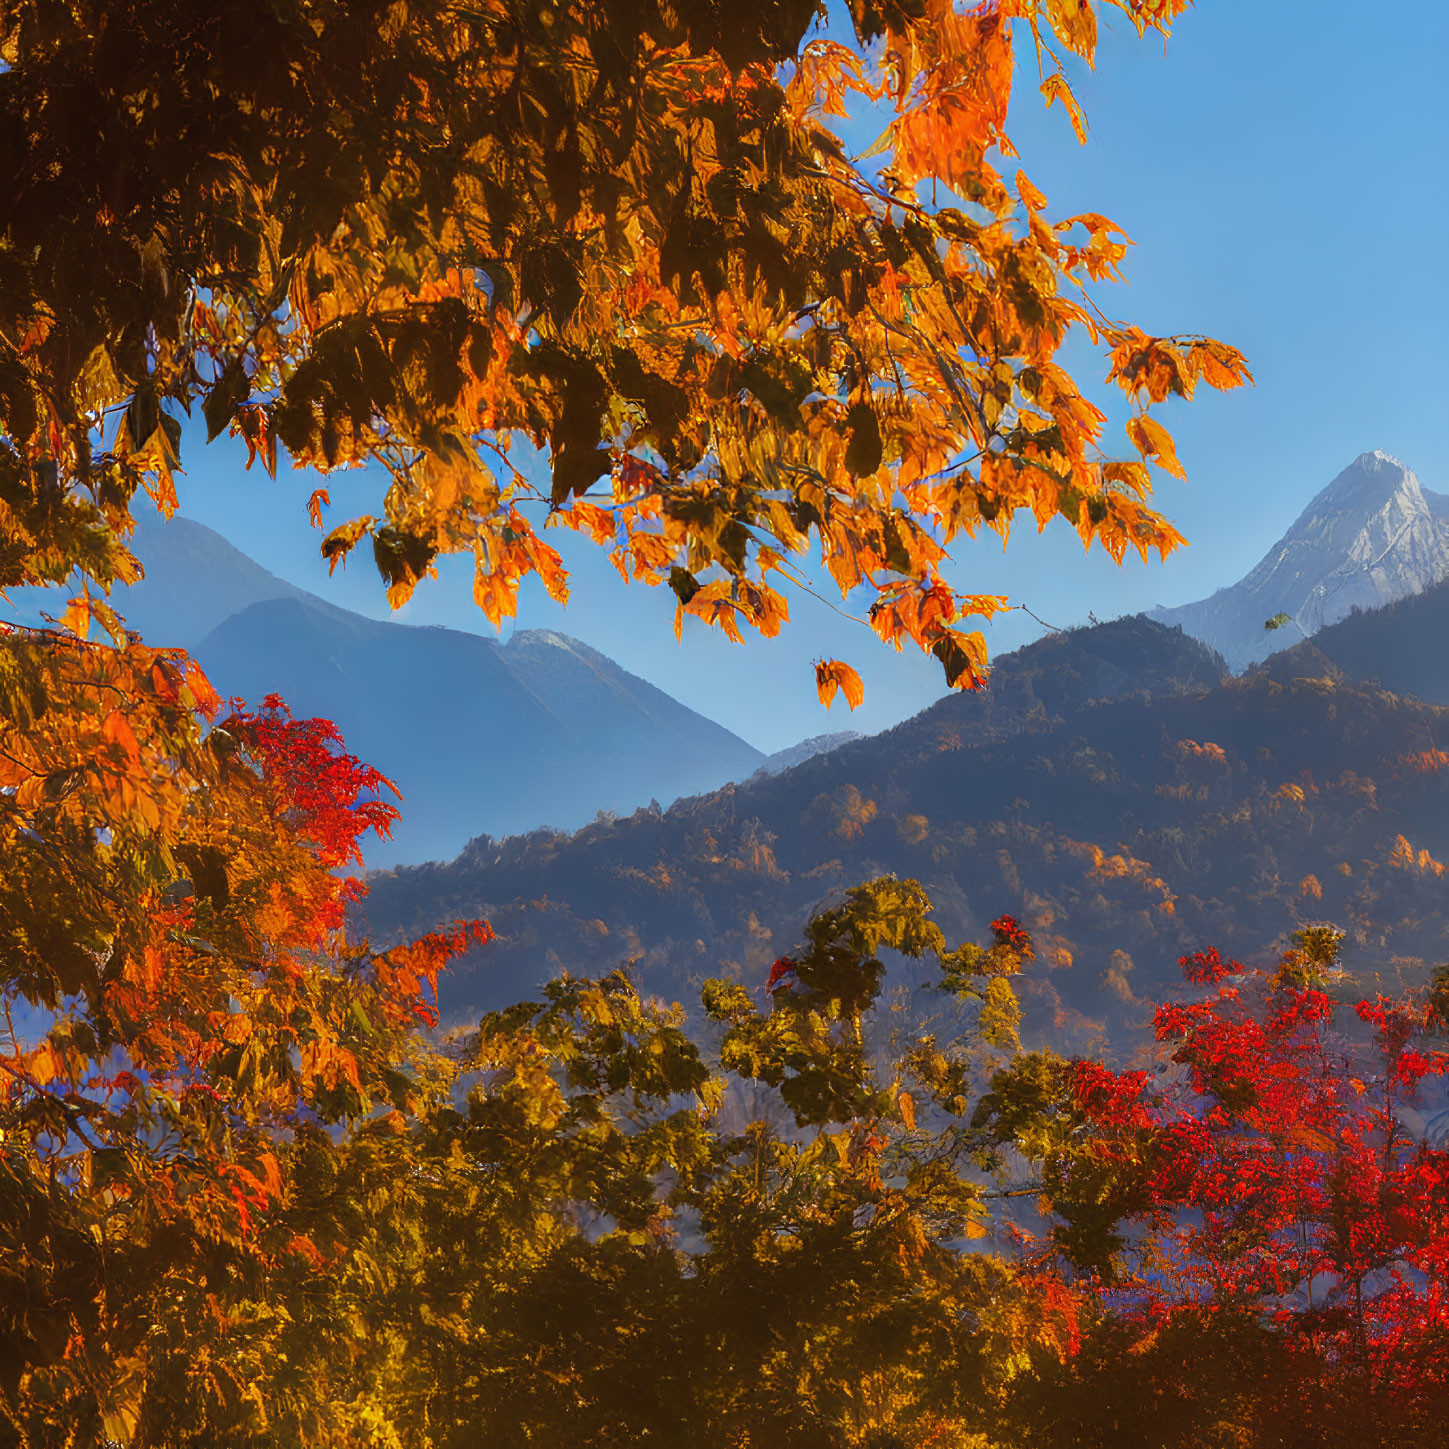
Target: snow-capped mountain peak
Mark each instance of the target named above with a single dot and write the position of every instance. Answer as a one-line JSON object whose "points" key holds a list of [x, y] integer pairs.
{"points": [[1373, 535]]}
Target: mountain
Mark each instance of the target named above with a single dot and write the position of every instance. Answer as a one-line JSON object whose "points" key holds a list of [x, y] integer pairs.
{"points": [[479, 735], [194, 580], [1372, 536], [807, 749], [1115, 789], [1179, 809]]}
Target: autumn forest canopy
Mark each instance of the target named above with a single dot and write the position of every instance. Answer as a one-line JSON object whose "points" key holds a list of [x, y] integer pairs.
{"points": [[477, 272]]}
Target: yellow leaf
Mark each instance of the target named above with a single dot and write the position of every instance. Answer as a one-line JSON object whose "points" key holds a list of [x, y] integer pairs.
{"points": [[118, 1422], [1075, 22], [149, 811], [832, 674], [343, 539]]}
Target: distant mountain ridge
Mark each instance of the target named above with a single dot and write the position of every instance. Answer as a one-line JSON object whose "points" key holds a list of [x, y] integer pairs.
{"points": [[480, 736], [717, 876], [194, 579], [1372, 536]]}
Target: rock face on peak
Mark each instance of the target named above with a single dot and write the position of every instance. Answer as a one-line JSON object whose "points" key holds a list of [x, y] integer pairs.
{"points": [[1373, 536]]}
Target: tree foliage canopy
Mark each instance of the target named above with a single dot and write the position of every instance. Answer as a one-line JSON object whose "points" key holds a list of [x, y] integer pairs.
{"points": [[424, 236], [243, 1200], [171, 922]]}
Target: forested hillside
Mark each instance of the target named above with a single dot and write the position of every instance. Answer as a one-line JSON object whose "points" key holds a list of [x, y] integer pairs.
{"points": [[1171, 807], [1400, 646]]}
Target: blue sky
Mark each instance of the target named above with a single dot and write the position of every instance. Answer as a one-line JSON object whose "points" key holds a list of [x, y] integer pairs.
{"points": [[1282, 168]]}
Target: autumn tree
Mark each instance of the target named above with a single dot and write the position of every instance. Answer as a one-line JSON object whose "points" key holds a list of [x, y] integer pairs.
{"points": [[1261, 1227], [179, 997], [620, 1226]]}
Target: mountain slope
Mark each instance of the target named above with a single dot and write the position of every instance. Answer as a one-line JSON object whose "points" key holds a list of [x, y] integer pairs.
{"points": [[194, 580], [995, 800], [1123, 834], [1400, 646], [479, 736], [1372, 536]]}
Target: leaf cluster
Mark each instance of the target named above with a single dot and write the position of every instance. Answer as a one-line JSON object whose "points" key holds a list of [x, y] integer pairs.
{"points": [[622, 239]]}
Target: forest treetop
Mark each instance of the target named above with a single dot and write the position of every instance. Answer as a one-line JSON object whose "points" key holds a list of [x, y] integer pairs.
{"points": [[624, 234]]}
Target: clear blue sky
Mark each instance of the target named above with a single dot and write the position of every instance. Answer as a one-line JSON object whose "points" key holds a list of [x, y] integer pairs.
{"points": [[1282, 167]]}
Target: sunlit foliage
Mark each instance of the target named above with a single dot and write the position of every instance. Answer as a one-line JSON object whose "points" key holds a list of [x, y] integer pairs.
{"points": [[425, 236]]}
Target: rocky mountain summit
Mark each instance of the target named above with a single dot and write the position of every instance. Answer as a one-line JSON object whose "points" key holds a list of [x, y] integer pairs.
{"points": [[1373, 536]]}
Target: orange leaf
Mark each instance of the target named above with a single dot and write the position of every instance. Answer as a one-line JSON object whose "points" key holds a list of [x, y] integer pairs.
{"points": [[830, 675], [205, 699], [1029, 194], [1055, 88], [305, 1248], [117, 731], [77, 617], [164, 681], [908, 1110], [1154, 442], [315, 504]]}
